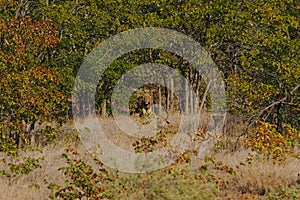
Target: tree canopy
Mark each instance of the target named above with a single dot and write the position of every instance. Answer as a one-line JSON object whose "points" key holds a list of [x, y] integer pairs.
{"points": [[43, 43]]}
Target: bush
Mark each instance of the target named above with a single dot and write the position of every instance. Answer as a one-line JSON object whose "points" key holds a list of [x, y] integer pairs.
{"points": [[82, 181], [271, 144]]}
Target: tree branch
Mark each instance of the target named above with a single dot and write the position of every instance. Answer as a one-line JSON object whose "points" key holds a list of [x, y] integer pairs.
{"points": [[255, 117]]}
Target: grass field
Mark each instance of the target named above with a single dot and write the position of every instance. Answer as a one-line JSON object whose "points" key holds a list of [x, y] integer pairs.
{"points": [[225, 173]]}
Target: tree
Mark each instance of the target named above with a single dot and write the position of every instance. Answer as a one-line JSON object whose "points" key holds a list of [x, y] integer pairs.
{"points": [[30, 88], [255, 45]]}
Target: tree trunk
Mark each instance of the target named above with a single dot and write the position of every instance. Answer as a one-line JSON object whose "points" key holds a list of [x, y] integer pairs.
{"points": [[166, 91], [103, 108], [171, 96], [159, 100]]}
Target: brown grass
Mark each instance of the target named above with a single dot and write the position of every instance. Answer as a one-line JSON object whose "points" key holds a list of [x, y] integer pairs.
{"points": [[33, 185], [252, 181], [259, 177]]}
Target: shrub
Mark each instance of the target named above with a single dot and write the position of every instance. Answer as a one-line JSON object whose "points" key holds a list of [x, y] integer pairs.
{"points": [[271, 144], [82, 181]]}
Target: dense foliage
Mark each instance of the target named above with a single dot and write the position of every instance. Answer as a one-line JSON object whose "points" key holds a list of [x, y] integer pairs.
{"points": [[31, 88], [43, 43]]}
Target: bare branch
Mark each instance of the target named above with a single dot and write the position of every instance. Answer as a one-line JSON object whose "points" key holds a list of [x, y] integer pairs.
{"points": [[255, 117]]}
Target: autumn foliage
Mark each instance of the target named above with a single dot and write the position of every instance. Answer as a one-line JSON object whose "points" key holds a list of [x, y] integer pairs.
{"points": [[273, 145], [29, 87]]}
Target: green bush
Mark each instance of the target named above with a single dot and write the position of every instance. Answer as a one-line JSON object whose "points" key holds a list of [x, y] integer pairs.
{"points": [[82, 181]]}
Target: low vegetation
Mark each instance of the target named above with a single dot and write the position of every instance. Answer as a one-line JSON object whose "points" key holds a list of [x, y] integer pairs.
{"points": [[65, 170]]}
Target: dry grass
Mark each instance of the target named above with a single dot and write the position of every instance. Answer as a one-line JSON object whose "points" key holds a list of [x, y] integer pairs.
{"points": [[257, 180], [259, 177], [33, 185]]}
